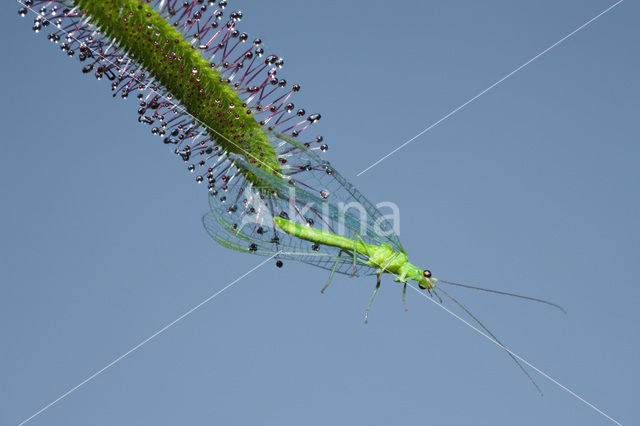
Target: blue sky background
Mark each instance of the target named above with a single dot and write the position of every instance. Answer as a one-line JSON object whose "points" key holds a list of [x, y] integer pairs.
{"points": [[534, 188]]}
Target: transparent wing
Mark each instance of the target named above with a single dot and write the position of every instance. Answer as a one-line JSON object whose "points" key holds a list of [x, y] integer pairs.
{"points": [[306, 190], [316, 183]]}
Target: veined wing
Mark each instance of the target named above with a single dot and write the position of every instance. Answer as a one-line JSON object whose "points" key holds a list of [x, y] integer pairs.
{"points": [[315, 181], [307, 190]]}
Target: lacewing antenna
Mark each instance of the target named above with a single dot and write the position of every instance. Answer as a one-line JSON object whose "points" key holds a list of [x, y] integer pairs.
{"points": [[505, 293], [464, 308]]}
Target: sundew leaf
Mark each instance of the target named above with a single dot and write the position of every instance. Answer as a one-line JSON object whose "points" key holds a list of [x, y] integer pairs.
{"points": [[213, 94]]}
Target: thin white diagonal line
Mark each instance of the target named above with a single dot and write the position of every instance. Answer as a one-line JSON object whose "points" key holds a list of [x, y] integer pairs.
{"points": [[509, 351], [136, 347], [490, 87], [545, 375]]}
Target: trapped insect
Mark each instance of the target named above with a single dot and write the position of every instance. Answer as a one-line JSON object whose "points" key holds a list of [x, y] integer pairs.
{"points": [[212, 94]]}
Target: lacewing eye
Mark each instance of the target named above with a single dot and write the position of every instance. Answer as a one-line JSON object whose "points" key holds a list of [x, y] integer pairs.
{"points": [[427, 273]]}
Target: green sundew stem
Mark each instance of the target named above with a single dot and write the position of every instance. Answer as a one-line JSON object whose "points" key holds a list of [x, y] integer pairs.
{"points": [[163, 51]]}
